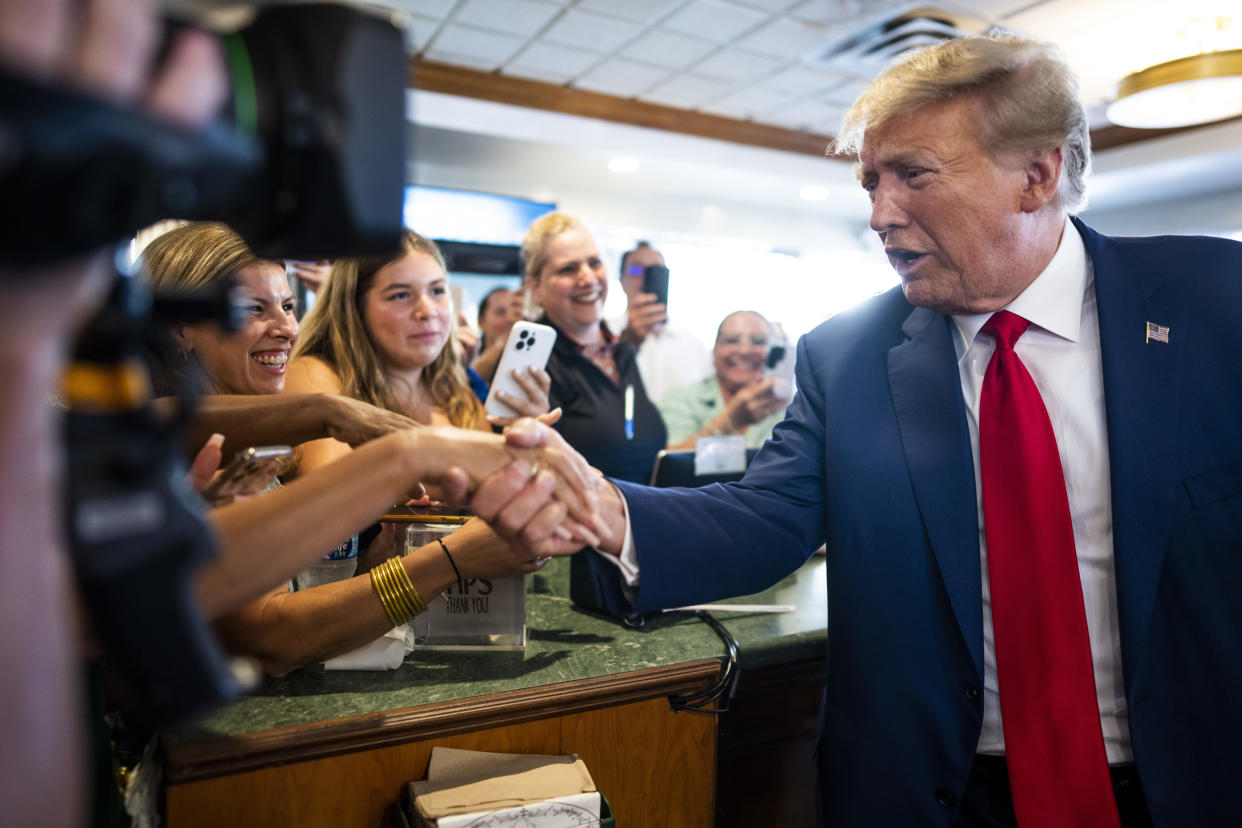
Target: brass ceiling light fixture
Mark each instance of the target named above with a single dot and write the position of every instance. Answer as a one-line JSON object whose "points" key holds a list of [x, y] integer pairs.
{"points": [[1192, 90]]}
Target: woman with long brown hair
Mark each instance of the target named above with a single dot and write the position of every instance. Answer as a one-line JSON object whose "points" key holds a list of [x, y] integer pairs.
{"points": [[384, 332]]}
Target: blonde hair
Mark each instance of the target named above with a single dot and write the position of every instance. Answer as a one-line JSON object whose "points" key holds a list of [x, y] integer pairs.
{"points": [[335, 332], [535, 242], [191, 256], [1028, 93]]}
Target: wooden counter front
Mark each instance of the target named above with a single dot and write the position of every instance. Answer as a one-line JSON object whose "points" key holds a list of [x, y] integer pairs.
{"points": [[656, 767], [336, 749]]}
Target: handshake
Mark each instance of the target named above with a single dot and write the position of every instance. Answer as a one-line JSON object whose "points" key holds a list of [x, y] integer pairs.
{"points": [[534, 489]]}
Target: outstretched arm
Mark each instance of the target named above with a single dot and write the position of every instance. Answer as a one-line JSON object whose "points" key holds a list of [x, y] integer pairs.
{"points": [[266, 540], [285, 630], [287, 419]]}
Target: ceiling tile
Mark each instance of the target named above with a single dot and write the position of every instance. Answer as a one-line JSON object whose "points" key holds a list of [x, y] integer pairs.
{"points": [[489, 48], [810, 115], [418, 31], [714, 20], [747, 103], [587, 30], [665, 48], [441, 56], [993, 9], [519, 17], [550, 61], [632, 9], [621, 77], [427, 8], [768, 5], [686, 90], [534, 73], [846, 93], [735, 65], [787, 38], [802, 81], [826, 12]]}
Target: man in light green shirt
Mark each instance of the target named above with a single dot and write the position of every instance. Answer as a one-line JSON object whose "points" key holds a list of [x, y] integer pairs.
{"points": [[737, 399]]}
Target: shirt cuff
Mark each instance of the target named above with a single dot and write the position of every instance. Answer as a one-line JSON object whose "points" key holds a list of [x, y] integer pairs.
{"points": [[627, 561]]}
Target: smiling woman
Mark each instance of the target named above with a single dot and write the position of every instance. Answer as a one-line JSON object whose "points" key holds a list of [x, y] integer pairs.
{"points": [[202, 357], [738, 399], [595, 380], [383, 332]]}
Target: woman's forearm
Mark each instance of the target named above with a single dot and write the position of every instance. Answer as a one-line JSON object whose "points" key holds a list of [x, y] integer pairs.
{"points": [[289, 419], [267, 539], [256, 419], [286, 630]]}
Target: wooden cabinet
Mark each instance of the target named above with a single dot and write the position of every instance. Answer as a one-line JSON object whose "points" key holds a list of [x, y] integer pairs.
{"points": [[655, 766]]}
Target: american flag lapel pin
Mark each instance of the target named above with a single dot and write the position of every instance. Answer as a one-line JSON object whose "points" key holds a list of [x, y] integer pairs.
{"points": [[1157, 333]]}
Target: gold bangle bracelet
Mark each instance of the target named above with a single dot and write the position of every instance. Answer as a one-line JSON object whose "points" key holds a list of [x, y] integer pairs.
{"points": [[406, 586], [397, 614], [382, 593], [396, 592], [404, 608]]}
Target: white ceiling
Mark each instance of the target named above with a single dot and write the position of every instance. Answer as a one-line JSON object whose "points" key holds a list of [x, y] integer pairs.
{"points": [[759, 60], [762, 59]]}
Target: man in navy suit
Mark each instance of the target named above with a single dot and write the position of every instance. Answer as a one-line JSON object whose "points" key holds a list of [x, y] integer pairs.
{"points": [[975, 155]]}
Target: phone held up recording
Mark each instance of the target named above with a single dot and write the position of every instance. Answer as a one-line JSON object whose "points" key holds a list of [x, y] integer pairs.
{"points": [[779, 365], [655, 281], [529, 345]]}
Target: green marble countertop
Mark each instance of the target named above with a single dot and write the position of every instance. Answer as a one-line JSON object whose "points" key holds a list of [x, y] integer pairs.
{"points": [[563, 644]]}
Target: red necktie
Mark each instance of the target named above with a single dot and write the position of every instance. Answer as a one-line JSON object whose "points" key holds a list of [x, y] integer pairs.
{"points": [[1058, 770]]}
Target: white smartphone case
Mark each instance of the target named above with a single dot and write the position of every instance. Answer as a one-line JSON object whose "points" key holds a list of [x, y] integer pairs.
{"points": [[528, 344]]}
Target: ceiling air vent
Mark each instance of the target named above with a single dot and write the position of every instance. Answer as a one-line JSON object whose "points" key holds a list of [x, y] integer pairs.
{"points": [[871, 49]]}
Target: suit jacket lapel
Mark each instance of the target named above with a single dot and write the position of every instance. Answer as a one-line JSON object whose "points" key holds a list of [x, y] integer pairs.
{"points": [[931, 418], [1140, 398]]}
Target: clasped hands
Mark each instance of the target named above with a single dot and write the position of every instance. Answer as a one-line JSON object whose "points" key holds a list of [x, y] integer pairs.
{"points": [[533, 489]]}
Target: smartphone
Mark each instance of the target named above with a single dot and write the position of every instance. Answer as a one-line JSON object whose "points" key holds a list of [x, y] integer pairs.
{"points": [[249, 472], [655, 280], [779, 364], [529, 344]]}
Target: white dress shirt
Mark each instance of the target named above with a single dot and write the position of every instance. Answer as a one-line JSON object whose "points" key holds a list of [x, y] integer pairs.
{"points": [[1061, 350]]}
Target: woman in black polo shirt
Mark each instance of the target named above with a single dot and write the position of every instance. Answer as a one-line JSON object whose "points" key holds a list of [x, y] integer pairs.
{"points": [[607, 415]]}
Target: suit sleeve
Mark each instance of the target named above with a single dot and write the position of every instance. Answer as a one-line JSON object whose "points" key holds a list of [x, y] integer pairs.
{"points": [[718, 541]]}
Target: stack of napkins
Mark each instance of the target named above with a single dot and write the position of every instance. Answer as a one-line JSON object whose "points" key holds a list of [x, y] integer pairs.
{"points": [[463, 786], [387, 652]]}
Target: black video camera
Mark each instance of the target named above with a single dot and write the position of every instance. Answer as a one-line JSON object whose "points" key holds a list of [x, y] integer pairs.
{"points": [[308, 162]]}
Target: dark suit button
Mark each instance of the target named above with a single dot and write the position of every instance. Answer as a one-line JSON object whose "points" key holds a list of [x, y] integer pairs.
{"points": [[945, 799], [972, 692]]}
